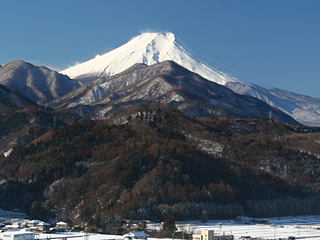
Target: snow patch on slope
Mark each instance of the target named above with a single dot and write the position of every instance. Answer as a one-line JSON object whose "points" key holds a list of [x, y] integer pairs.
{"points": [[175, 97], [210, 147], [7, 153]]}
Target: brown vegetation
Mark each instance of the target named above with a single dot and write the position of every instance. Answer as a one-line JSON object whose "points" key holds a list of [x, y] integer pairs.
{"points": [[152, 167]]}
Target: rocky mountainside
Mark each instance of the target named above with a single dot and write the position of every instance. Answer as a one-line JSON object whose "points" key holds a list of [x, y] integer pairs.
{"points": [[13, 98], [164, 83], [39, 84], [151, 48], [22, 121], [303, 108]]}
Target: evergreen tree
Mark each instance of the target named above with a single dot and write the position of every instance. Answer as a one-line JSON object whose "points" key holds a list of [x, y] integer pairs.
{"points": [[169, 224], [204, 216]]}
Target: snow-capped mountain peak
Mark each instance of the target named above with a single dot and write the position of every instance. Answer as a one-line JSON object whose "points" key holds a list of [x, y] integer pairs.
{"points": [[149, 48]]}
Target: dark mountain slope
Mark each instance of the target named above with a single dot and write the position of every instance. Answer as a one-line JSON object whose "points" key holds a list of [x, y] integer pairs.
{"points": [[22, 120], [163, 163]]}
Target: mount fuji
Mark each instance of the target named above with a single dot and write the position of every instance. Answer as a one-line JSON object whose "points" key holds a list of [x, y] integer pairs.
{"points": [[152, 48], [149, 49]]}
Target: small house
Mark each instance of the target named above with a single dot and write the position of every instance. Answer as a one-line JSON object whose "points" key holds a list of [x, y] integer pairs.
{"points": [[43, 227], [33, 223], [61, 226]]}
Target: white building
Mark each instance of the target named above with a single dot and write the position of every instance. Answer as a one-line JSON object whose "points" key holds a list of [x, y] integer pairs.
{"points": [[209, 235], [12, 214], [33, 223], [136, 235], [43, 227], [17, 235], [61, 226]]}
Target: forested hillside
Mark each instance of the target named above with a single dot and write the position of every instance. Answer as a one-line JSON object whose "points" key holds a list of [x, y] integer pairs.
{"points": [[155, 162], [22, 120]]}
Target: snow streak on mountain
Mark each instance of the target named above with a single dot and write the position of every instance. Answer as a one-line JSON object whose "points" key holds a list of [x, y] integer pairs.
{"points": [[150, 48]]}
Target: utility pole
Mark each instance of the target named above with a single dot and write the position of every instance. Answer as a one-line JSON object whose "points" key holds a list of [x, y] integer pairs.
{"points": [[173, 235]]}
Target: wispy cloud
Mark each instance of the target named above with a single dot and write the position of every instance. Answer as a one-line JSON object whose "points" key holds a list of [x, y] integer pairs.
{"points": [[149, 30]]}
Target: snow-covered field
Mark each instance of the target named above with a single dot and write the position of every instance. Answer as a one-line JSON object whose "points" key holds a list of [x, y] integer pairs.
{"points": [[305, 227]]}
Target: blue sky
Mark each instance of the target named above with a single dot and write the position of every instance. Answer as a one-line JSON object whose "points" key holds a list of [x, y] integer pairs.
{"points": [[271, 42]]}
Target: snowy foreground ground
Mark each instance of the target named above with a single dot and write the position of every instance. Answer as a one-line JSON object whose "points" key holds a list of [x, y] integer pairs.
{"points": [[306, 227]]}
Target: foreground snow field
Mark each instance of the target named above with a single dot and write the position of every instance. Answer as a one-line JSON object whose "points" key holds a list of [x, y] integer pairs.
{"points": [[305, 227]]}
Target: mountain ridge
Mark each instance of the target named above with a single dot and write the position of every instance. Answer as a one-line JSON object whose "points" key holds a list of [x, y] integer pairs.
{"points": [[163, 83], [157, 47], [39, 84], [303, 108]]}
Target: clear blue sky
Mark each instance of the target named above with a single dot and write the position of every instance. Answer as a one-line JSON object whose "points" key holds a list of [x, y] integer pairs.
{"points": [[272, 42]]}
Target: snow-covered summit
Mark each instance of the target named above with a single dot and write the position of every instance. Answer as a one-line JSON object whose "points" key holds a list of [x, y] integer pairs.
{"points": [[150, 48]]}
